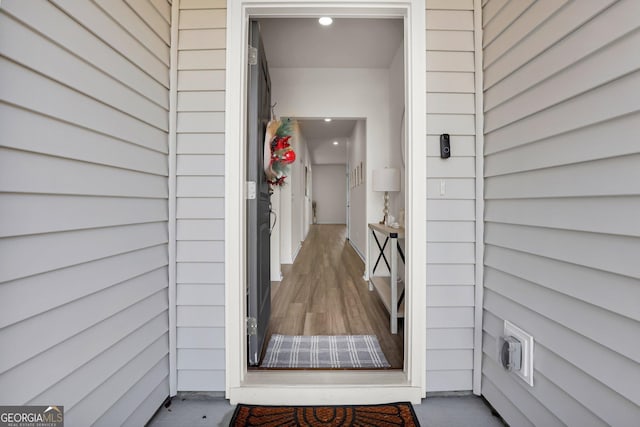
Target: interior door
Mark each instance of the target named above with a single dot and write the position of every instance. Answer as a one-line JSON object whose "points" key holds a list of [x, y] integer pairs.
{"points": [[258, 208]]}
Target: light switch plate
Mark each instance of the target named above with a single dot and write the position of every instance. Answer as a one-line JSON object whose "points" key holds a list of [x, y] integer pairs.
{"points": [[251, 190]]}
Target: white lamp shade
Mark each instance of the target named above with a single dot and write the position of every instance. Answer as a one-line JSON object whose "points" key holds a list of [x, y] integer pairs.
{"points": [[387, 179]]}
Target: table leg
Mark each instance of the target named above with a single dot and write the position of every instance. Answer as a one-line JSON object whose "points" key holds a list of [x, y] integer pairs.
{"points": [[394, 285]]}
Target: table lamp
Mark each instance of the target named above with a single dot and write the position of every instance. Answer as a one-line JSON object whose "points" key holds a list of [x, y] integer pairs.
{"points": [[387, 179]]}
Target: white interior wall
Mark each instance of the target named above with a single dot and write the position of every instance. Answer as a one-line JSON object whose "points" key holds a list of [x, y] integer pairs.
{"points": [[293, 216], [396, 112], [275, 270], [299, 200], [357, 153], [285, 218], [363, 93], [330, 193], [309, 199]]}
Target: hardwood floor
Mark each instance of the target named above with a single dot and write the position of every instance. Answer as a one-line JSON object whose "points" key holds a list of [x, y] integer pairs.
{"points": [[323, 293]]}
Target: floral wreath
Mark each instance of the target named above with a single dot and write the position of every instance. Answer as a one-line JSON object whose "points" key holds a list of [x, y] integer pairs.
{"points": [[278, 153]]}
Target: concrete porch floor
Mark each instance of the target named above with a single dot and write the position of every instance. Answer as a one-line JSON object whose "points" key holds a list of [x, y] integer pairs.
{"points": [[191, 410]]}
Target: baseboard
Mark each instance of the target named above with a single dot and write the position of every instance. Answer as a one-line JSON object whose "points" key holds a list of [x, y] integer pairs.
{"points": [[297, 251], [276, 276], [355, 248]]}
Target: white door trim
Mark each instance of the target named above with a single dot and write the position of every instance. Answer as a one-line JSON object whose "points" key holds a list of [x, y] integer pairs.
{"points": [[479, 273], [333, 386], [173, 201]]}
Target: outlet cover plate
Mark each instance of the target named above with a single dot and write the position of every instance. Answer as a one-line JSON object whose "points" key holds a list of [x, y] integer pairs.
{"points": [[526, 370]]}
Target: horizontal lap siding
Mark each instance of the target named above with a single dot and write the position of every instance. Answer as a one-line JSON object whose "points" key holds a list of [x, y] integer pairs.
{"points": [[451, 195], [562, 196], [83, 207], [200, 195]]}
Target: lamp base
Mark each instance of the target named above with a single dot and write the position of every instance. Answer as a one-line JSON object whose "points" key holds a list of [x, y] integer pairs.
{"points": [[385, 211]]}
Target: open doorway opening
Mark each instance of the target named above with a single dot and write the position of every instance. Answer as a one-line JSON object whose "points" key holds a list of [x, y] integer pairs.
{"points": [[352, 74], [326, 387]]}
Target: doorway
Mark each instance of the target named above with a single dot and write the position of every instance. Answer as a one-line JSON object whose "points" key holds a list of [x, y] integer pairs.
{"points": [[355, 69], [407, 384]]}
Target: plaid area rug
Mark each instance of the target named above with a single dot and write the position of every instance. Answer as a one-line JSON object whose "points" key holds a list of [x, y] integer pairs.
{"points": [[324, 351]]}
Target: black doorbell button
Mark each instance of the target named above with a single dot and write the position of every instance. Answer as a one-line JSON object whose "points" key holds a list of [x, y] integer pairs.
{"points": [[445, 146]]}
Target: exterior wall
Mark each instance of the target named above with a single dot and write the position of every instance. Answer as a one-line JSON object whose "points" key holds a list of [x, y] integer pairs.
{"points": [[451, 238], [562, 202], [83, 207], [450, 216], [200, 195]]}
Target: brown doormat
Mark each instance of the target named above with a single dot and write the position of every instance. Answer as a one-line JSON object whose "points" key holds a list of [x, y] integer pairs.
{"points": [[392, 414]]}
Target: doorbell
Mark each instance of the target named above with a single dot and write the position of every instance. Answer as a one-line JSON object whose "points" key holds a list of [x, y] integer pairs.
{"points": [[445, 146]]}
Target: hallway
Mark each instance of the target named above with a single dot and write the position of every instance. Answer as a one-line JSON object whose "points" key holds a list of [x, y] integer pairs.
{"points": [[324, 294]]}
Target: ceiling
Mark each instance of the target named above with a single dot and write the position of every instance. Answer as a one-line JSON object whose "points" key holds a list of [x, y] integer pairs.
{"points": [[319, 129], [347, 43], [320, 136]]}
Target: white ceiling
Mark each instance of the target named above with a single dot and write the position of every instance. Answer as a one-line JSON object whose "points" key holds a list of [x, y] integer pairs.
{"points": [[320, 135], [319, 129], [347, 43]]}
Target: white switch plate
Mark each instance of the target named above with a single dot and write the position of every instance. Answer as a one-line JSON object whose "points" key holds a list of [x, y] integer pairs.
{"points": [[251, 190], [526, 370]]}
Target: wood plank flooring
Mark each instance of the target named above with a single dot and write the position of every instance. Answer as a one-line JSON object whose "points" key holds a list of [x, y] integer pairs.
{"points": [[323, 293]]}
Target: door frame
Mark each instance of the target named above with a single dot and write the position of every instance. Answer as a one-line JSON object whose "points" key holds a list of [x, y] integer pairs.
{"points": [[324, 387]]}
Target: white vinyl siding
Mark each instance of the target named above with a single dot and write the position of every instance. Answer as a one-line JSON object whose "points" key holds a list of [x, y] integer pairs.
{"points": [[562, 200], [451, 213], [83, 207], [200, 195]]}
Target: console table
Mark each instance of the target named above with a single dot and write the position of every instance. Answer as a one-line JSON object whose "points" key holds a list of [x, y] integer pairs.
{"points": [[391, 294]]}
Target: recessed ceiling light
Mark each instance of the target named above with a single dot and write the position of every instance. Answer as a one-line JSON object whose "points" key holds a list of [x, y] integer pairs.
{"points": [[335, 142], [325, 20], [328, 119]]}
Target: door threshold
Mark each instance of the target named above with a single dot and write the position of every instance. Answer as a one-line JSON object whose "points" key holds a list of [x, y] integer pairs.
{"points": [[325, 388], [312, 370], [295, 378]]}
